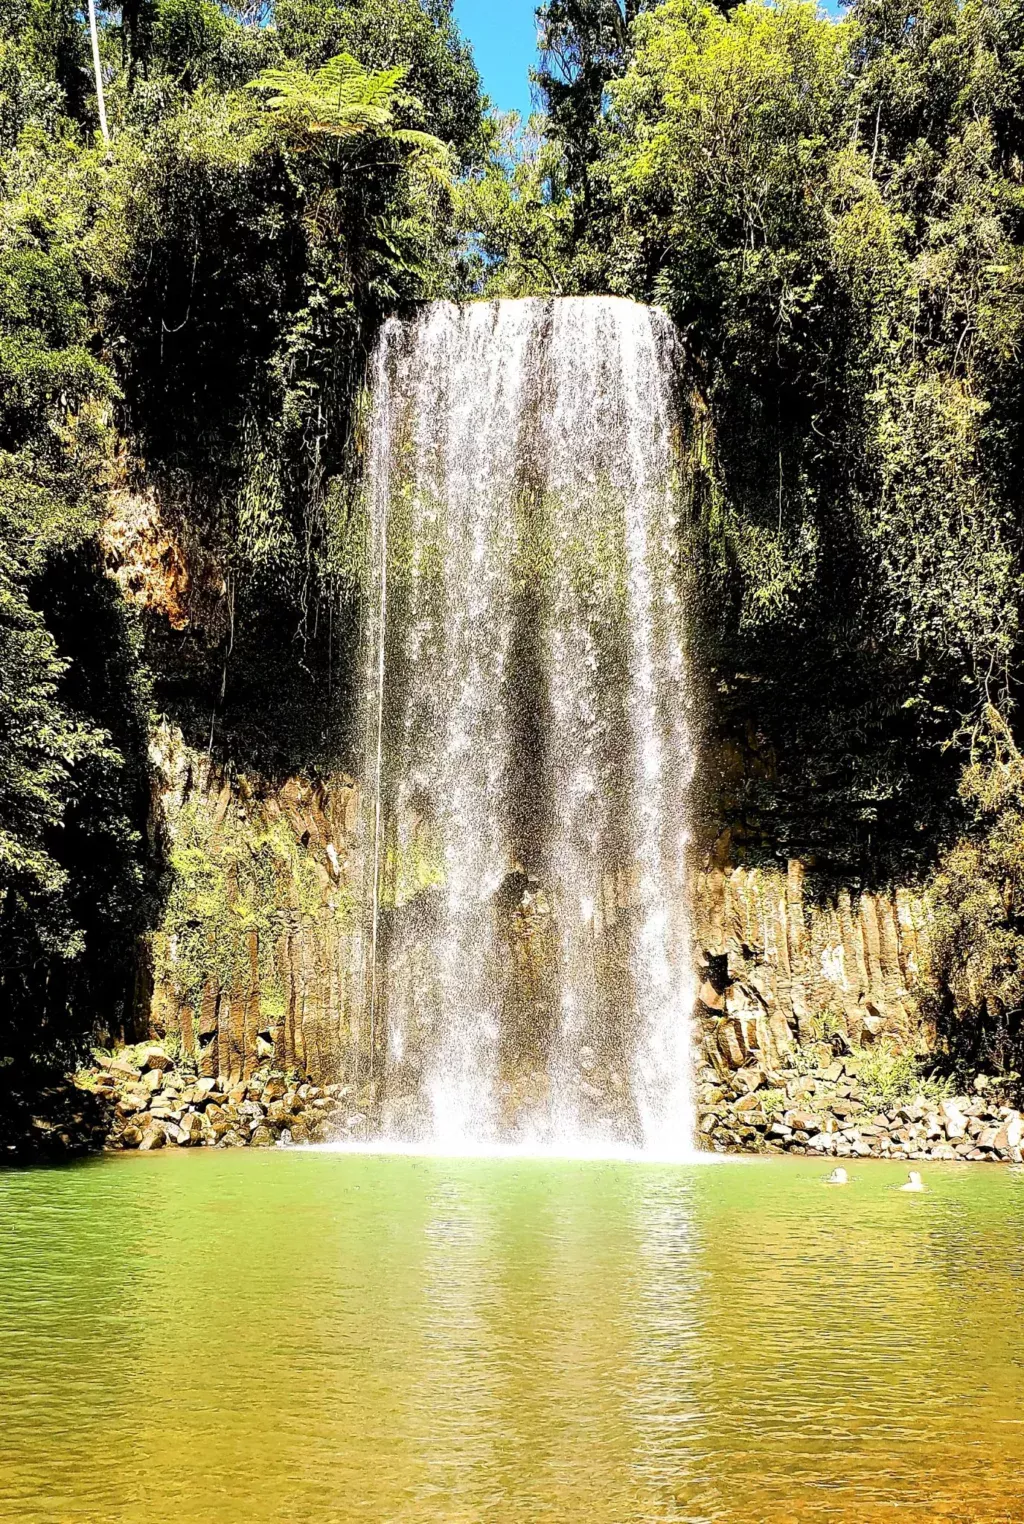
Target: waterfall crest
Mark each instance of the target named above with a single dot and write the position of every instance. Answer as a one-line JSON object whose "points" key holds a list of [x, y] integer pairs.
{"points": [[525, 702]]}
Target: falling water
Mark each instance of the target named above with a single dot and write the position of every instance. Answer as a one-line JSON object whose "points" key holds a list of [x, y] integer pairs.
{"points": [[529, 976]]}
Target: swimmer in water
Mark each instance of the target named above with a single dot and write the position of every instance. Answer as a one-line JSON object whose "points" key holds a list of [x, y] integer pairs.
{"points": [[915, 1183], [838, 1177]]}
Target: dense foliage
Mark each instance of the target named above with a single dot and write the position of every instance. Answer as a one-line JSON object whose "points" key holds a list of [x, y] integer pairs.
{"points": [[185, 310], [833, 215]]}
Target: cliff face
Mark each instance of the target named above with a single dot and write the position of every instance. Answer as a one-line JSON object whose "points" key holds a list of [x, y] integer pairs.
{"points": [[788, 960], [257, 958]]}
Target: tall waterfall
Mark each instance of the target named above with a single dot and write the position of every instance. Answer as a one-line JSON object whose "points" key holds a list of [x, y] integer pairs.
{"points": [[527, 750]]}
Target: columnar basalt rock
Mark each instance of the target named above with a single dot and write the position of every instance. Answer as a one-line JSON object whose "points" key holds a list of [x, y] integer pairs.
{"points": [[257, 960], [786, 960]]}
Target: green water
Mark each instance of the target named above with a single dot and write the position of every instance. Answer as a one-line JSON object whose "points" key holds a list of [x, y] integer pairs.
{"points": [[276, 1336]]}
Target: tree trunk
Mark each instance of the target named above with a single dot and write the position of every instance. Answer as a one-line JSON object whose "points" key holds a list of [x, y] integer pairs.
{"points": [[94, 34]]}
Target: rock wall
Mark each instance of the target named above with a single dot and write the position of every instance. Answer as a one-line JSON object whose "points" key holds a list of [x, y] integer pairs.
{"points": [[788, 960], [256, 961]]}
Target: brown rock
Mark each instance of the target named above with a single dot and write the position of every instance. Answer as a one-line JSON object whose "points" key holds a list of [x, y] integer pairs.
{"points": [[729, 1045], [843, 1108], [710, 998], [803, 1121], [218, 1120], [152, 1138], [750, 1079], [192, 1130], [156, 1059], [125, 1071]]}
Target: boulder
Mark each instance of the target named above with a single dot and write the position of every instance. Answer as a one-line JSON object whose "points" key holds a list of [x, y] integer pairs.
{"points": [[263, 1137], [217, 1120], [122, 1070], [780, 1034], [192, 1130], [803, 1121], [273, 1090], [152, 1138], [730, 1045], [232, 1138], [155, 1059], [846, 1108], [747, 1103]]}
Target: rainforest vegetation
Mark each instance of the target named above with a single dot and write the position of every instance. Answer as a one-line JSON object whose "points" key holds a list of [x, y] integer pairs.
{"points": [[202, 225]]}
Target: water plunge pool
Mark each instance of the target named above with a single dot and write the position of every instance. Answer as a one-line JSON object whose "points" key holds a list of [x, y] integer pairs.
{"points": [[274, 1336]]}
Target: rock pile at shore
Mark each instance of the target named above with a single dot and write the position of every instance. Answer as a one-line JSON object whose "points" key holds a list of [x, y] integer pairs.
{"points": [[51, 1120], [829, 1113], [156, 1106]]}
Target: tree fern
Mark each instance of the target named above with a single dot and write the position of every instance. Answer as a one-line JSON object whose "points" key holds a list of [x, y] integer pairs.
{"points": [[343, 100]]}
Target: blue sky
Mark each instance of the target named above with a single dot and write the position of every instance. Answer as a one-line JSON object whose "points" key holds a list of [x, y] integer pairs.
{"points": [[504, 38]]}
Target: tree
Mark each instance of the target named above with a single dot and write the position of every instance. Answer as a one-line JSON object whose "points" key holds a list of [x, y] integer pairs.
{"points": [[97, 71], [583, 44]]}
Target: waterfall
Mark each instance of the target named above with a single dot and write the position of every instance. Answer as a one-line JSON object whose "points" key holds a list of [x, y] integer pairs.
{"points": [[527, 739]]}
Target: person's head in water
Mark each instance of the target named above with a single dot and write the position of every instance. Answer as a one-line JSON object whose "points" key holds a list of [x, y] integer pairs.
{"points": [[915, 1183], [838, 1177]]}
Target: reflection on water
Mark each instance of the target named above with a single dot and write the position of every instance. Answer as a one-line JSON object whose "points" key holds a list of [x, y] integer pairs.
{"points": [[275, 1337]]}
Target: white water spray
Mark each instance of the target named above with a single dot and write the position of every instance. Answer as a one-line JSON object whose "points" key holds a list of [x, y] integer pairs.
{"points": [[527, 684]]}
